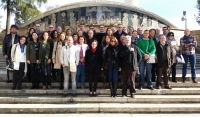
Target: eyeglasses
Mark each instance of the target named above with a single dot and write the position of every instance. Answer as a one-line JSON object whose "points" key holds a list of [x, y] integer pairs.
{"points": [[112, 41], [50, 27], [171, 35]]}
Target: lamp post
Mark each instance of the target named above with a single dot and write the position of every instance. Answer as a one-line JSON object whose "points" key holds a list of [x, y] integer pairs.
{"points": [[184, 19]]}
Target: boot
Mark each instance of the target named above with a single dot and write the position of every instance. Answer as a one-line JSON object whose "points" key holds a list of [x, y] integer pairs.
{"points": [[115, 90], [111, 90]]}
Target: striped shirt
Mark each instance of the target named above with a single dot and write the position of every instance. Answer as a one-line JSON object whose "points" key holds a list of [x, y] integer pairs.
{"points": [[188, 45]]}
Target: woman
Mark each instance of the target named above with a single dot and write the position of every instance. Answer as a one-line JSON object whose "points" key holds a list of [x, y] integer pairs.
{"points": [[45, 55], [32, 57], [111, 64], [82, 47], [93, 58], [105, 44], [69, 32], [80, 33], [18, 56], [30, 32], [152, 35], [75, 38], [56, 58], [54, 38], [109, 32], [175, 48]]}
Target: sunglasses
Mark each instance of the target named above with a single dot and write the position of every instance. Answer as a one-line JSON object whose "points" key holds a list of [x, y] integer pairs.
{"points": [[113, 41]]}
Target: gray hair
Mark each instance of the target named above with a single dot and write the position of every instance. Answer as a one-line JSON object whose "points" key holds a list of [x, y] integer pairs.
{"points": [[162, 36], [128, 37]]}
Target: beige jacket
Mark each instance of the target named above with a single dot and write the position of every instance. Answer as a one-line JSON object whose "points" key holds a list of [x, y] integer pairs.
{"points": [[56, 54]]}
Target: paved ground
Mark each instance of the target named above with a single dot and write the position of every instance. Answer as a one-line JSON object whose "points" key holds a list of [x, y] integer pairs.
{"points": [[100, 115]]}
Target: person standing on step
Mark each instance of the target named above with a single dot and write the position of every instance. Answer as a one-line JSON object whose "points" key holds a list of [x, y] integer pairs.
{"points": [[172, 41], [165, 60], [147, 48], [57, 48], [82, 47], [93, 62], [119, 32], [69, 60], [32, 59], [188, 44], [18, 56], [45, 55], [8, 42], [130, 59], [111, 64]]}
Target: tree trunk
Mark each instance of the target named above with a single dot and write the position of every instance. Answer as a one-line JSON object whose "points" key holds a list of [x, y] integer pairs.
{"points": [[8, 17]]}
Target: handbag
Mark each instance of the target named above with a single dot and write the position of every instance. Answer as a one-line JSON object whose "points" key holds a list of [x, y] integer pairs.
{"points": [[72, 66], [180, 59], [152, 58], [10, 66]]}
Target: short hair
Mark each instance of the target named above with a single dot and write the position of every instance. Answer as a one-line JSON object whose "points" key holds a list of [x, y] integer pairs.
{"points": [[13, 26], [94, 41], [128, 37], [146, 30], [90, 30], [119, 25], [101, 25], [91, 25], [68, 37], [85, 41], [165, 27], [76, 33], [162, 36], [134, 31], [170, 33]]}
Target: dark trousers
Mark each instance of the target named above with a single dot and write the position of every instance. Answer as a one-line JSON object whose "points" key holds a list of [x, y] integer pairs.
{"points": [[93, 79], [173, 68], [128, 74], [29, 74], [46, 71], [60, 75], [53, 71], [8, 76], [163, 70], [34, 78], [19, 73], [153, 72]]}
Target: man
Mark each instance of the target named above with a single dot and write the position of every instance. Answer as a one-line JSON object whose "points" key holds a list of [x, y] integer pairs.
{"points": [[82, 28], [130, 31], [147, 48], [188, 44], [51, 28], [140, 33], [59, 30], [101, 34], [165, 56], [37, 28], [122, 41], [130, 57], [157, 34], [124, 29], [8, 42], [113, 30], [90, 38], [165, 30], [69, 60], [119, 32], [134, 38]]}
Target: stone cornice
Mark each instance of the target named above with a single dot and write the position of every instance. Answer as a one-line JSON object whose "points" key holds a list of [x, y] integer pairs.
{"points": [[99, 3]]}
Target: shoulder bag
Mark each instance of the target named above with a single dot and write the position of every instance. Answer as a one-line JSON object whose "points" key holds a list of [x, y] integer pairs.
{"points": [[152, 58]]}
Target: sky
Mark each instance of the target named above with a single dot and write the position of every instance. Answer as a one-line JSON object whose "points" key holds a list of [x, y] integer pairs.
{"points": [[171, 10]]}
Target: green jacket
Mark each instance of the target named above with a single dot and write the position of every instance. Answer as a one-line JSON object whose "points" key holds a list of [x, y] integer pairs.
{"points": [[30, 52], [146, 46], [48, 55]]}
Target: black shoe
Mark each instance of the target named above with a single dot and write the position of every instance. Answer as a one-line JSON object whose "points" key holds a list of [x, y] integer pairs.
{"points": [[74, 95], [151, 88], [19, 88], [175, 81], [183, 80], [13, 88], [33, 87], [95, 95], [90, 95], [65, 95], [140, 88], [60, 88], [132, 95], [194, 81], [8, 81], [114, 94]]}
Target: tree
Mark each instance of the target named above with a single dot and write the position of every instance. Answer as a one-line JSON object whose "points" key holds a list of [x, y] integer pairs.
{"points": [[198, 14], [22, 9]]}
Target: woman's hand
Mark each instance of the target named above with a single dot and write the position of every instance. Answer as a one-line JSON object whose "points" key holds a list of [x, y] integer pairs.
{"points": [[28, 61], [37, 61], [53, 60], [49, 61]]}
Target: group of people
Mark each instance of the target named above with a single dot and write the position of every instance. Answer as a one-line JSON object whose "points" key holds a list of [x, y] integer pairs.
{"points": [[55, 54]]}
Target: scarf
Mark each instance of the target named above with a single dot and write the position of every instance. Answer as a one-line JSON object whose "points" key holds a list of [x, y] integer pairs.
{"points": [[22, 47], [93, 50]]}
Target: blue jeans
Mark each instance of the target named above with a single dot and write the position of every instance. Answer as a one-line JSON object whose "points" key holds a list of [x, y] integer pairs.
{"points": [[113, 75], [192, 59], [80, 71], [142, 66]]}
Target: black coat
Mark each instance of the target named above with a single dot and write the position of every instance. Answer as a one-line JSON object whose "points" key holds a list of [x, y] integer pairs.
{"points": [[31, 53], [117, 35], [124, 56], [159, 52], [99, 37], [7, 44], [111, 57], [89, 41], [93, 61]]}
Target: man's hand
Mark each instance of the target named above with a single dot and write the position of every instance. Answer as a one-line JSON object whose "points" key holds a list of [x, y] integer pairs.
{"points": [[49, 61], [53, 60], [37, 61], [132, 49], [28, 61], [5, 56], [63, 65], [146, 56]]}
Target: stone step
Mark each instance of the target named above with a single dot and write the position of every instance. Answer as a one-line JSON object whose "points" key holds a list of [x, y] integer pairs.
{"points": [[100, 85], [58, 99], [174, 91], [98, 108], [104, 115]]}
